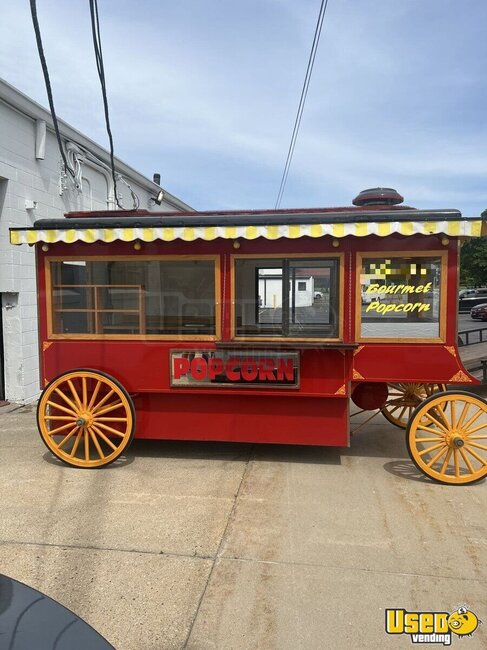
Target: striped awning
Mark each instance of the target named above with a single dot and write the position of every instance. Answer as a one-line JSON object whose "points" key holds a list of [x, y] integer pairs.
{"points": [[453, 228]]}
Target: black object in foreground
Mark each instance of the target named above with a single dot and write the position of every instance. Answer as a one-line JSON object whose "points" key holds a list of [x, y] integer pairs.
{"points": [[30, 619]]}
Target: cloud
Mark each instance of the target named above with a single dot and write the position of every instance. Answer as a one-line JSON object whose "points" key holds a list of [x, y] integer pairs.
{"points": [[207, 94]]}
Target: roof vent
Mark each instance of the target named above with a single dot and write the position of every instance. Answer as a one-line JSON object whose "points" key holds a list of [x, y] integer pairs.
{"points": [[378, 196]]}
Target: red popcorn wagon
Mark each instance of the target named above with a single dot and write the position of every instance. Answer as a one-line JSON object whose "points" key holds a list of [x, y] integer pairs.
{"points": [[255, 326]]}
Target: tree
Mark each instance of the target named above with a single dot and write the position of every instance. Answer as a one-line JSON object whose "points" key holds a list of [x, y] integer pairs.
{"points": [[473, 263]]}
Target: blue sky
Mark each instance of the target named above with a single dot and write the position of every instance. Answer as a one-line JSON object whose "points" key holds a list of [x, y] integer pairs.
{"points": [[206, 94]]}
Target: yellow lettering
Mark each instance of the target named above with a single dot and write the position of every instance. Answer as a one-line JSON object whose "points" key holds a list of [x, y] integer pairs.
{"points": [[427, 288], [395, 621], [371, 288], [419, 288], [427, 623], [441, 622], [399, 307], [372, 305], [411, 620]]}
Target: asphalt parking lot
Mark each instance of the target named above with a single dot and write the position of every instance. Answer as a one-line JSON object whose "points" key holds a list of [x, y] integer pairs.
{"points": [[233, 546]]}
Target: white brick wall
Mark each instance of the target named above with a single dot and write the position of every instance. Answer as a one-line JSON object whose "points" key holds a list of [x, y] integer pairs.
{"points": [[23, 177]]}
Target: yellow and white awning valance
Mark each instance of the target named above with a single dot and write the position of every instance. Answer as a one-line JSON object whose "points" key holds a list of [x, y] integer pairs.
{"points": [[453, 228]]}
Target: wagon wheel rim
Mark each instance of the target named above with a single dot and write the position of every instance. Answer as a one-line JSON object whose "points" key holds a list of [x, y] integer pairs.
{"points": [[404, 398], [447, 438], [85, 418]]}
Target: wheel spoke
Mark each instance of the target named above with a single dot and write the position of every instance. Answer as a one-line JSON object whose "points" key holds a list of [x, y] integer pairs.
{"points": [[477, 446], [68, 437], [453, 413], [432, 448], [63, 428], [426, 440], [84, 391], [110, 407], [96, 443], [437, 456], [473, 418], [66, 399], [456, 463], [423, 427], [395, 409], [402, 413], [95, 393], [463, 415], [110, 419], [479, 427], [440, 413], [476, 437], [103, 400], [447, 459], [435, 421], [476, 455], [467, 462], [76, 444], [74, 393], [62, 408], [104, 437], [110, 429], [87, 445], [72, 418]]}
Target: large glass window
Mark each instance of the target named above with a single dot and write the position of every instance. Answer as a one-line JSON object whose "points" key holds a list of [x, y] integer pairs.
{"points": [[166, 297], [282, 297], [400, 297]]}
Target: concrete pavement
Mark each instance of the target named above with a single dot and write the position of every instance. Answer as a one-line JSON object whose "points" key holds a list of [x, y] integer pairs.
{"points": [[472, 355], [242, 547]]}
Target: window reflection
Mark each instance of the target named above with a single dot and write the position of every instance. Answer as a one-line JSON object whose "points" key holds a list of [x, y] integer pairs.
{"points": [[286, 297], [134, 297]]}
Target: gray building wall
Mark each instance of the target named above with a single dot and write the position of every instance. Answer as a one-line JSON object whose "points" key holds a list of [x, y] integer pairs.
{"points": [[32, 186]]}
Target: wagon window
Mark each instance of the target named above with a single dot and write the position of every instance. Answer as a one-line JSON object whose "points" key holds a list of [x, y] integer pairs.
{"points": [[400, 297], [286, 297], [166, 297]]}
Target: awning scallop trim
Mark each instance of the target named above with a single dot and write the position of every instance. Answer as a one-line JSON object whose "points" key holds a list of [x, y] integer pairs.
{"points": [[459, 228]]}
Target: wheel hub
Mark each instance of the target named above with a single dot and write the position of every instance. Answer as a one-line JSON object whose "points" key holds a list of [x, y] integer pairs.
{"points": [[84, 420], [455, 440]]}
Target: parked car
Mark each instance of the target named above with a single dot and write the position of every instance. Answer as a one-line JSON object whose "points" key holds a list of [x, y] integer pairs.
{"points": [[473, 298], [467, 293], [479, 312]]}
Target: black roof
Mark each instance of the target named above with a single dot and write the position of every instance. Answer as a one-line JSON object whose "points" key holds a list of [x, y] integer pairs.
{"points": [[195, 219]]}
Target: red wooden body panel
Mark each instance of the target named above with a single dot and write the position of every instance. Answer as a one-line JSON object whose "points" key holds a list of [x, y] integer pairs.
{"points": [[243, 418], [409, 363], [144, 367], [320, 415]]}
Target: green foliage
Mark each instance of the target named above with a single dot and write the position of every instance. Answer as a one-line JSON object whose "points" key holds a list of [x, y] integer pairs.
{"points": [[473, 263]]}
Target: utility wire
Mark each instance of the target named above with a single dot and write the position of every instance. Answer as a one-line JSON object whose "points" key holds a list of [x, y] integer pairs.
{"points": [[302, 101], [45, 72], [95, 28]]}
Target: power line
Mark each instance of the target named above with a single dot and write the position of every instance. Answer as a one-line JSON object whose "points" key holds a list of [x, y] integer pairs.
{"points": [[45, 72], [302, 101], [95, 29]]}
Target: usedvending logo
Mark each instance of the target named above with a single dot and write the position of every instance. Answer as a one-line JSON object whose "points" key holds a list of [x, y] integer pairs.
{"points": [[432, 627]]}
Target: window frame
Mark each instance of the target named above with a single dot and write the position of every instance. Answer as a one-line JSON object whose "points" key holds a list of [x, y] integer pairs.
{"points": [[288, 256], [132, 258], [441, 255]]}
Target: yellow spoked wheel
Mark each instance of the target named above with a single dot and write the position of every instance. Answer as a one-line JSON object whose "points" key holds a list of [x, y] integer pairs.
{"points": [[404, 398], [447, 438], [86, 418]]}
